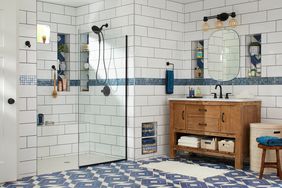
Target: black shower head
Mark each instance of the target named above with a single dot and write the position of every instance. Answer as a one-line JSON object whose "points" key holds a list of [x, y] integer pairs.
{"points": [[96, 29]]}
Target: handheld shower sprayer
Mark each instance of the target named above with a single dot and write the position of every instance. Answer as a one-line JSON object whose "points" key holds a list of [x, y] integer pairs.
{"points": [[99, 31]]}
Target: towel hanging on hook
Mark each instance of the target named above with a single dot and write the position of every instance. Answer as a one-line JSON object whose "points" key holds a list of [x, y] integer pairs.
{"points": [[169, 79], [168, 64]]}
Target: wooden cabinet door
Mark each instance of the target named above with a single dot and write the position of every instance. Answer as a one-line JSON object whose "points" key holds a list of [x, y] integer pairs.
{"points": [[179, 116], [230, 119]]}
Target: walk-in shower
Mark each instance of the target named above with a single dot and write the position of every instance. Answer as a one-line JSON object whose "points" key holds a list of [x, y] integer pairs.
{"points": [[81, 126]]}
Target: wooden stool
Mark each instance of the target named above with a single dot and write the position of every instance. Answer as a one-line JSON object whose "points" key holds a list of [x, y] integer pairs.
{"points": [[270, 164]]}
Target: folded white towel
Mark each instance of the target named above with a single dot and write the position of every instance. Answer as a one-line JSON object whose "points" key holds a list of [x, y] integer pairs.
{"points": [[188, 138], [189, 145], [192, 143], [189, 141]]}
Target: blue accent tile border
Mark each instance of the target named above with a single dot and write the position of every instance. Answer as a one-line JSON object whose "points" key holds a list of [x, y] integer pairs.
{"points": [[177, 82], [27, 79]]}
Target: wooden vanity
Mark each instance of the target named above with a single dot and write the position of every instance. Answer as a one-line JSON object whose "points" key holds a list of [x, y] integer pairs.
{"points": [[229, 118]]}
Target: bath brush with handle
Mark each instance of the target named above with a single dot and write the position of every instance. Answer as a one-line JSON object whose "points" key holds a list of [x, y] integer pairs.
{"points": [[54, 93]]}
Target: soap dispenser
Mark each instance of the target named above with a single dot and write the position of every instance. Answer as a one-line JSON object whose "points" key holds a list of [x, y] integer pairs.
{"points": [[198, 92]]}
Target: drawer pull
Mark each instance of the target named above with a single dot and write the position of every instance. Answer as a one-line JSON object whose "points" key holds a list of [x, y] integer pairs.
{"points": [[203, 110], [203, 124], [276, 132], [222, 117], [183, 114]]}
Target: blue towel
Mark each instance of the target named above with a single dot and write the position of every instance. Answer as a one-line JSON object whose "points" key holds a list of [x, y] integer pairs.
{"points": [[255, 60], [200, 63], [269, 141], [169, 81]]}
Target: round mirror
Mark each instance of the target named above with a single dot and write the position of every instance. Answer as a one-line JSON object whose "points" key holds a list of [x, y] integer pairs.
{"points": [[224, 55]]}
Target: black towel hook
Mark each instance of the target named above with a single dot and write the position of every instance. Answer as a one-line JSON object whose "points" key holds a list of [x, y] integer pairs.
{"points": [[27, 43], [168, 64]]}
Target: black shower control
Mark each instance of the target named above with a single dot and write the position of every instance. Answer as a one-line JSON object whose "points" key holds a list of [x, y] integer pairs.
{"points": [[11, 101], [106, 90]]}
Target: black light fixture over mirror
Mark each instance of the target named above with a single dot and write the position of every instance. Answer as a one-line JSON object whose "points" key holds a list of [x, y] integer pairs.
{"points": [[220, 19]]}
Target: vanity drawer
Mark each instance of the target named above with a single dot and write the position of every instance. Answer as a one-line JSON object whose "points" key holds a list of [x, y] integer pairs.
{"points": [[203, 124], [203, 110]]}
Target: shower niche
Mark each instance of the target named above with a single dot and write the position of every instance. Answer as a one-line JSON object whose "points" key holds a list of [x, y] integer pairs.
{"points": [[63, 70], [84, 62]]}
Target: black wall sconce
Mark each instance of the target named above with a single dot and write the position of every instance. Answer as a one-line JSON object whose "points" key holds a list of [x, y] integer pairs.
{"points": [[28, 44], [220, 19]]}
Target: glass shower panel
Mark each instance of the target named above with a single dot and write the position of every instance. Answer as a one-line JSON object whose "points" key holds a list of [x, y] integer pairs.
{"points": [[102, 116]]}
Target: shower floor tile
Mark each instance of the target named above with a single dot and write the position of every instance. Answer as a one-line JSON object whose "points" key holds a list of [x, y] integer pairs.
{"points": [[56, 164]]}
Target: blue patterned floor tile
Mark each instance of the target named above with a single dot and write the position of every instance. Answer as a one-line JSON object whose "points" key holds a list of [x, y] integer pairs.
{"points": [[194, 184], [129, 174]]}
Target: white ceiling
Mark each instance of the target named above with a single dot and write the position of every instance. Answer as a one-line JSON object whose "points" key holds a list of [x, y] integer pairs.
{"points": [[186, 1], [73, 3], [78, 3]]}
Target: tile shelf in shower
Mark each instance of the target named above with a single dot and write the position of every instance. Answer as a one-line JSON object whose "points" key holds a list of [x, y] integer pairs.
{"points": [[63, 56], [84, 62]]}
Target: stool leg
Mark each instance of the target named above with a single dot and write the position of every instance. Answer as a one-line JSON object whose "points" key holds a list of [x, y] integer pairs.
{"points": [[262, 163], [278, 164]]}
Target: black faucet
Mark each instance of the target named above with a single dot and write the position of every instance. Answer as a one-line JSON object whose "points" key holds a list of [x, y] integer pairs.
{"points": [[220, 91]]}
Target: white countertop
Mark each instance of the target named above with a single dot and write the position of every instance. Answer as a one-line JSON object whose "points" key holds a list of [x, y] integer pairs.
{"points": [[212, 99]]}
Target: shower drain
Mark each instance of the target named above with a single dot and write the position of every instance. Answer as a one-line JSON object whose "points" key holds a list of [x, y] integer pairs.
{"points": [[67, 162]]}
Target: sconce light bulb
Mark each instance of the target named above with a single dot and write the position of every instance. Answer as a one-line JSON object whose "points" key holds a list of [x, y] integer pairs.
{"points": [[219, 24], [233, 22], [205, 26]]}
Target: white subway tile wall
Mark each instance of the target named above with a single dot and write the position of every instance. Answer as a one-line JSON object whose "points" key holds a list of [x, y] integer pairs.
{"points": [[27, 92], [254, 17], [56, 140], [159, 31], [159, 37], [99, 120], [105, 116]]}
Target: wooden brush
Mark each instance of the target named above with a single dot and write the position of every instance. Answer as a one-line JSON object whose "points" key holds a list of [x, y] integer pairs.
{"points": [[54, 93]]}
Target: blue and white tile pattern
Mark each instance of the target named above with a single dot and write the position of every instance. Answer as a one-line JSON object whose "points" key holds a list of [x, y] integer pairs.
{"points": [[129, 174]]}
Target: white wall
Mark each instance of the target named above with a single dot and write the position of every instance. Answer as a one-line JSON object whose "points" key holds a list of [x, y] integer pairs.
{"points": [[27, 89], [157, 30], [106, 115], [61, 138], [159, 38], [255, 17]]}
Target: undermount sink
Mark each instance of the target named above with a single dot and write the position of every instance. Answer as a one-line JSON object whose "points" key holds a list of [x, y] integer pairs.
{"points": [[212, 99]]}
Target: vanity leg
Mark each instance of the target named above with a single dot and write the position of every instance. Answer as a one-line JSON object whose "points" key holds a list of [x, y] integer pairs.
{"points": [[239, 157], [172, 152], [239, 162]]}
